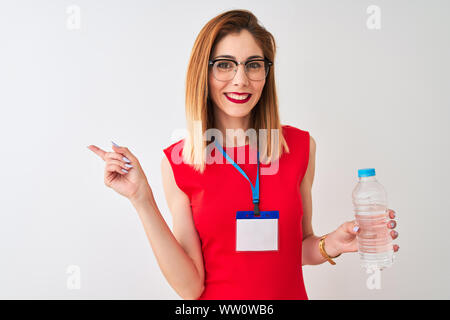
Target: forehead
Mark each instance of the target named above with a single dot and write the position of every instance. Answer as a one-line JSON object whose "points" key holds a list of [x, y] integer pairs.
{"points": [[241, 46]]}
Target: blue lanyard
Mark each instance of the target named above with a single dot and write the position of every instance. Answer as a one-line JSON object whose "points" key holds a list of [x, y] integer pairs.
{"points": [[255, 190]]}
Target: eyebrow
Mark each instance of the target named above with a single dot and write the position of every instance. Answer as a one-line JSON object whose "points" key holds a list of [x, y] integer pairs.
{"points": [[231, 57]]}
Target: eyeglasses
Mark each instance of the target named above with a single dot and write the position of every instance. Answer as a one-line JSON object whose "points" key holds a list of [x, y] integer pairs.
{"points": [[226, 69]]}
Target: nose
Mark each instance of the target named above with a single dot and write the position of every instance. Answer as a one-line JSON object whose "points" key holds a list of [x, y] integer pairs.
{"points": [[240, 78]]}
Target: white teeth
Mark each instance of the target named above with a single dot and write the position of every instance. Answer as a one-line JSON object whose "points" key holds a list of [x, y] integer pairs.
{"points": [[237, 97]]}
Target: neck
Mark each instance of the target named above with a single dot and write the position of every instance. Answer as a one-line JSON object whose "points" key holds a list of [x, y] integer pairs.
{"points": [[222, 122]]}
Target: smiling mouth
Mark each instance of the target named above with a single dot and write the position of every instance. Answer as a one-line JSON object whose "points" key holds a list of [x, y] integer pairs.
{"points": [[238, 98]]}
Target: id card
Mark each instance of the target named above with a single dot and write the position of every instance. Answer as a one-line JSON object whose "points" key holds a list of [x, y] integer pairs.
{"points": [[257, 233]]}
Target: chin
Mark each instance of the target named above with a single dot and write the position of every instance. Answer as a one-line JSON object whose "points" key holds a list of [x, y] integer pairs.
{"points": [[237, 113]]}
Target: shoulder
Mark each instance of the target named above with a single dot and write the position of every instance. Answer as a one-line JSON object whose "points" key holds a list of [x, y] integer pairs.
{"points": [[173, 151], [294, 131], [172, 168], [294, 134], [176, 144]]}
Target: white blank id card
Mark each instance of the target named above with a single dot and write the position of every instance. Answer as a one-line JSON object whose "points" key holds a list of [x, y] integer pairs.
{"points": [[257, 233]]}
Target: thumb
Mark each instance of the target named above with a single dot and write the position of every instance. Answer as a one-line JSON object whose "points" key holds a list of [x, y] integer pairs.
{"points": [[352, 227]]}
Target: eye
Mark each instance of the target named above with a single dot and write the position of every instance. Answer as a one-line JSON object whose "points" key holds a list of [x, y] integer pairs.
{"points": [[224, 65], [255, 65]]}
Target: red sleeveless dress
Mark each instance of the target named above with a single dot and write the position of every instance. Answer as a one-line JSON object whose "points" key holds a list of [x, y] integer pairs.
{"points": [[221, 191]]}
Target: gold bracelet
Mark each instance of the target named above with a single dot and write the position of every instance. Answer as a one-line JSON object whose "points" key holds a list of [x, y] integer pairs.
{"points": [[324, 253]]}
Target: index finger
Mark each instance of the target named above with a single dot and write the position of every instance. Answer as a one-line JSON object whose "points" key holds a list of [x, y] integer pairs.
{"points": [[101, 153]]}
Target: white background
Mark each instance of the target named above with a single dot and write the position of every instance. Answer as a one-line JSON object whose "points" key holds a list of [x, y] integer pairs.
{"points": [[370, 98]]}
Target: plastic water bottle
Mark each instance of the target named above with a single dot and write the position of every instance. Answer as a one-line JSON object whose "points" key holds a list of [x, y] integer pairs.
{"points": [[371, 214]]}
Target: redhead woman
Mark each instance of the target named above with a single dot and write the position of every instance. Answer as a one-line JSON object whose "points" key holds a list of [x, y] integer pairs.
{"points": [[242, 229]]}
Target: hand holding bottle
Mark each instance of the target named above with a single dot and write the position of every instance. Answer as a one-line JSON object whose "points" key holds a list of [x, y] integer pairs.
{"points": [[343, 239]]}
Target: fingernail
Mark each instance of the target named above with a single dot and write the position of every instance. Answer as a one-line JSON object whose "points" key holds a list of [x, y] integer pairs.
{"points": [[125, 159], [124, 170], [355, 229], [128, 165], [392, 224], [115, 145]]}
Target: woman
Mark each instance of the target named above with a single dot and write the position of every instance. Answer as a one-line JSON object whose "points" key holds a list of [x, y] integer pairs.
{"points": [[210, 254]]}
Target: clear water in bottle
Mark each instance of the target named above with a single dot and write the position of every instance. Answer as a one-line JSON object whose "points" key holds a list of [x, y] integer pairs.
{"points": [[370, 207]]}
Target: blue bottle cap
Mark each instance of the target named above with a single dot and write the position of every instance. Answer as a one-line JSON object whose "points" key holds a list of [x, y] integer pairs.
{"points": [[368, 172]]}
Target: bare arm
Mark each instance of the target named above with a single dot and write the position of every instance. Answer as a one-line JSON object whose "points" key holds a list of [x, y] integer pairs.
{"points": [[310, 246], [179, 253], [179, 256]]}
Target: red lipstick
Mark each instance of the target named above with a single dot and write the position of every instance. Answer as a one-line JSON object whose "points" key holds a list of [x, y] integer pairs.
{"points": [[238, 101]]}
